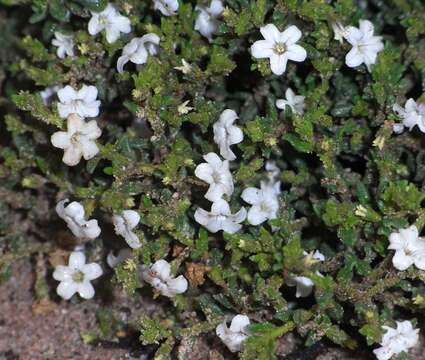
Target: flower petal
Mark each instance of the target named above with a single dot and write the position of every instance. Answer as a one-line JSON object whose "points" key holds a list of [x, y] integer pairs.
{"points": [[61, 140], [66, 289], [401, 261], [278, 63], [85, 290], [296, 53], [91, 271], [77, 260], [256, 216], [290, 36], [72, 156], [239, 323], [178, 285], [62, 273], [271, 33], [262, 49], [251, 195], [204, 172], [354, 58], [67, 94], [162, 268]]}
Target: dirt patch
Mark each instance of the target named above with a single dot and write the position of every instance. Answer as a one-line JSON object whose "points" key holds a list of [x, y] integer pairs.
{"points": [[53, 330], [53, 333]]}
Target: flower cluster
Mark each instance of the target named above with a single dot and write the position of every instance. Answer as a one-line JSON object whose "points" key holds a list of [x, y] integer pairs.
{"points": [[318, 147], [216, 173], [78, 140], [77, 275]]}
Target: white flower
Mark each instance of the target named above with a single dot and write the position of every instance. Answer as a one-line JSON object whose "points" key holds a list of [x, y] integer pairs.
{"points": [[47, 94], [279, 47], [340, 32], [111, 21], [206, 22], [409, 248], [366, 46], [397, 340], [76, 277], [73, 214], [227, 134], [138, 50], [82, 102], [295, 102], [412, 114], [158, 275], [216, 173], [317, 255], [273, 173], [304, 285], [186, 68], [167, 7], [65, 44], [183, 108], [78, 140], [264, 201], [220, 218], [113, 261], [124, 224], [234, 336]]}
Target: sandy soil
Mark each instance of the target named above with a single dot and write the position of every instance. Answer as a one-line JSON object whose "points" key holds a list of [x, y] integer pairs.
{"points": [[52, 330]]}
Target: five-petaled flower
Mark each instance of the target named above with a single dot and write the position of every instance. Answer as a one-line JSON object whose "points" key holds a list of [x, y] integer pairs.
{"points": [[220, 218], [138, 50], [397, 340], [76, 277], [409, 248], [159, 276], [412, 114], [227, 134], [216, 173], [295, 102], [167, 7], [78, 140], [124, 224], [264, 201], [111, 21], [65, 44], [82, 102], [206, 22], [234, 336], [279, 47], [366, 46], [74, 216]]}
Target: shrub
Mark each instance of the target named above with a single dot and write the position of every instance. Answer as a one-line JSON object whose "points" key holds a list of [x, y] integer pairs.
{"points": [[348, 180]]}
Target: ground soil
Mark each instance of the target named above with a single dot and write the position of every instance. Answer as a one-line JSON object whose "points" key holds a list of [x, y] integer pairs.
{"points": [[52, 330]]}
